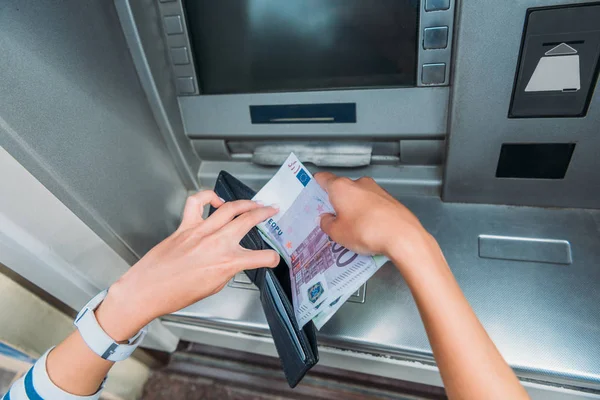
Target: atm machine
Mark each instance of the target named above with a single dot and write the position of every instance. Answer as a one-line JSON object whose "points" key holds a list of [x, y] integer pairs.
{"points": [[482, 117]]}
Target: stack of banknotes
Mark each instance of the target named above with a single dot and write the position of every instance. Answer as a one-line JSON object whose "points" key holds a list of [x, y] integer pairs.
{"points": [[323, 273]]}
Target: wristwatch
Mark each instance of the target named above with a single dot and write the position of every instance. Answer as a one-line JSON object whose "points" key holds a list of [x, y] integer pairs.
{"points": [[98, 340]]}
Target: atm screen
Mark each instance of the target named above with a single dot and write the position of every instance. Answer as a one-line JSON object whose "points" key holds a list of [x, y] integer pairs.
{"points": [[257, 46]]}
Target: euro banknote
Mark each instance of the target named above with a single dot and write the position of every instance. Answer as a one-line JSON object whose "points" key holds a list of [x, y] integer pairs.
{"points": [[323, 273]]}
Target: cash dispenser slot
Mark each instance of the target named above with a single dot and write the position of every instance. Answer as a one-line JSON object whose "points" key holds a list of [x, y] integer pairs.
{"points": [[402, 166], [332, 153], [319, 154]]}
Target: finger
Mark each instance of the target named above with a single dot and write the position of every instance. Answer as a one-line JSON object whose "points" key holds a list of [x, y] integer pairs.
{"points": [[329, 226], [324, 179], [228, 212], [252, 259], [194, 207], [367, 181], [239, 227], [370, 183]]}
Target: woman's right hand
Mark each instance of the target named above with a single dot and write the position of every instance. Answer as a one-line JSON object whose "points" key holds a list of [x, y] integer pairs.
{"points": [[369, 220]]}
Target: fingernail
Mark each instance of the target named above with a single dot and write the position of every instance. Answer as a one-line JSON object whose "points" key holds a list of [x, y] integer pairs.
{"points": [[274, 205], [222, 199], [260, 203]]}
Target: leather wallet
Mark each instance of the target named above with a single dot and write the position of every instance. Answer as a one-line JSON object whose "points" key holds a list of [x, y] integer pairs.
{"points": [[297, 348]]}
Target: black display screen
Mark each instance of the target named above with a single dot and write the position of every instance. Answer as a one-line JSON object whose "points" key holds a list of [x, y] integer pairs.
{"points": [[253, 46]]}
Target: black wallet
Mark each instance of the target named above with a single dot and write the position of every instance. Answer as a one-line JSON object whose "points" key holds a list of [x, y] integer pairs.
{"points": [[297, 348]]}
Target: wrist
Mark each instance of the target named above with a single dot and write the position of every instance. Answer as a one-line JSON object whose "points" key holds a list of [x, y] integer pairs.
{"points": [[410, 250], [118, 316]]}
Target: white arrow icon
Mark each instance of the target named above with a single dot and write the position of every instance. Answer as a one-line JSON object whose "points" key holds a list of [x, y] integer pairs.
{"points": [[562, 49], [557, 70]]}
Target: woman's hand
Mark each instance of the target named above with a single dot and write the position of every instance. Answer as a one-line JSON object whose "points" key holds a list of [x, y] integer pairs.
{"points": [[369, 220], [195, 262]]}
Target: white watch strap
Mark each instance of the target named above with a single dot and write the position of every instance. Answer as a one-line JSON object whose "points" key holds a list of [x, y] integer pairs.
{"points": [[98, 340]]}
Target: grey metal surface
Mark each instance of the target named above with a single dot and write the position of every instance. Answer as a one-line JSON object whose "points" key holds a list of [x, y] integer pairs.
{"points": [[360, 295], [544, 318], [47, 244], [486, 54], [373, 364], [74, 114], [422, 152], [442, 14], [380, 113], [214, 150], [537, 250], [139, 22]]}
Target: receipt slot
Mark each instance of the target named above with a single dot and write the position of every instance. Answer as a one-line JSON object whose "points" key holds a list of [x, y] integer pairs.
{"points": [[558, 66]]}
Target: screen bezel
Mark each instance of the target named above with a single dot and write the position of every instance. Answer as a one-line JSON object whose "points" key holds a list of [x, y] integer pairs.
{"points": [[380, 113], [403, 112]]}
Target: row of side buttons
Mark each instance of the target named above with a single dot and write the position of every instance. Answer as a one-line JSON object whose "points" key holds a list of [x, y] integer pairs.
{"points": [[179, 50], [435, 38]]}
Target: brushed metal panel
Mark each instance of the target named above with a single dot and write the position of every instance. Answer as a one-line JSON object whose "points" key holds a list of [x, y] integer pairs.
{"points": [[373, 364], [488, 34], [46, 243], [543, 318], [381, 113], [74, 114], [525, 249], [422, 152], [141, 27]]}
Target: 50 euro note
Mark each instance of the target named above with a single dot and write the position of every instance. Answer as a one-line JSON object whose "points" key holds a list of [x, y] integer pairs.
{"points": [[323, 273]]}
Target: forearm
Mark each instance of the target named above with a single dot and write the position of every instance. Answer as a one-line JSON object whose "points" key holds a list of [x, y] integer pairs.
{"points": [[197, 260], [76, 369], [72, 370], [73, 366], [470, 365]]}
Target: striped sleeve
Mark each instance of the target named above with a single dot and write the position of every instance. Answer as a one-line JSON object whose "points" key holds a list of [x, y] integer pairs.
{"points": [[36, 385]]}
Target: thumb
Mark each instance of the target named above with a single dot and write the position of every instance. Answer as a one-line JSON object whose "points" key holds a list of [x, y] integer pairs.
{"points": [[260, 258], [328, 225]]}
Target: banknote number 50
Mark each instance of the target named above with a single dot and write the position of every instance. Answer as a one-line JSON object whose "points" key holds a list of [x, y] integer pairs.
{"points": [[342, 258]]}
